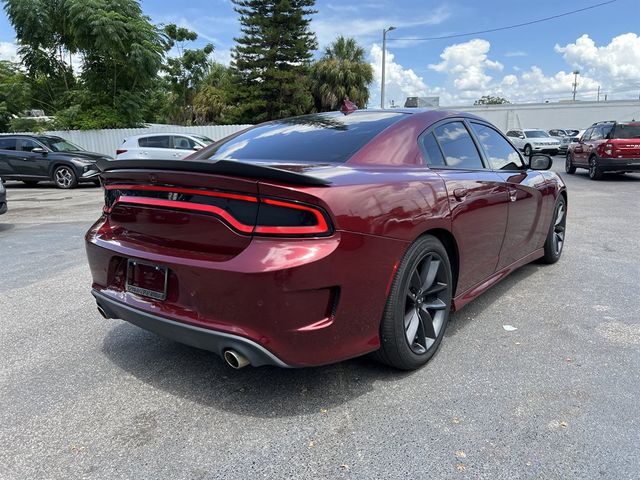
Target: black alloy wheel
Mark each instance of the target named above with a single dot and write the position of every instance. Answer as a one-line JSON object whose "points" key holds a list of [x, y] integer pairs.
{"points": [[555, 238], [418, 306], [594, 171]]}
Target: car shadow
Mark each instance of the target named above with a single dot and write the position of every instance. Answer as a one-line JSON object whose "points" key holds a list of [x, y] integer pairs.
{"points": [[15, 185], [202, 377], [607, 177], [5, 227]]}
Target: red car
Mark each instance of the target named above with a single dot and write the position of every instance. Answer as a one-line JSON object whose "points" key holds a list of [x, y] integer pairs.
{"points": [[311, 240], [606, 147]]}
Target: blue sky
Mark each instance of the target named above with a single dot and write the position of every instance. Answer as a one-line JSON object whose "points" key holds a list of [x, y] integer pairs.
{"points": [[532, 63]]}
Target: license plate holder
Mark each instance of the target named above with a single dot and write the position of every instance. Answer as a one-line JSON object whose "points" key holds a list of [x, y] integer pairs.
{"points": [[147, 279]]}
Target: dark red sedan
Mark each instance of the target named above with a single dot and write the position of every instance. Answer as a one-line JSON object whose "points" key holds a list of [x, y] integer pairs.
{"points": [[314, 239]]}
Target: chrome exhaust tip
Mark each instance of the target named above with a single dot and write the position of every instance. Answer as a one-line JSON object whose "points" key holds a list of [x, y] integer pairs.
{"points": [[235, 360], [102, 312]]}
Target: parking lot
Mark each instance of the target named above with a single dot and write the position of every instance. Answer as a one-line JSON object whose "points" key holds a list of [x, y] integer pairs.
{"points": [[558, 397]]}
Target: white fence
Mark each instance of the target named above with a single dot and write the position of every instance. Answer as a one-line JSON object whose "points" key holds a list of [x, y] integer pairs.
{"points": [[107, 141], [546, 116]]}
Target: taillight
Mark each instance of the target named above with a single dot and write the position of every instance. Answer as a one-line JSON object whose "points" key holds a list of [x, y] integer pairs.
{"points": [[608, 149], [247, 214], [120, 151]]}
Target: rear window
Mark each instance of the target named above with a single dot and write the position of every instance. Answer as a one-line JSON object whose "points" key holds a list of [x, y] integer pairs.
{"points": [[623, 130], [323, 137], [7, 143]]}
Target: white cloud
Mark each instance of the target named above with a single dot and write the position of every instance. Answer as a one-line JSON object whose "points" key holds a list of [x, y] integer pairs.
{"points": [[616, 65], [9, 51], [400, 82], [466, 64]]}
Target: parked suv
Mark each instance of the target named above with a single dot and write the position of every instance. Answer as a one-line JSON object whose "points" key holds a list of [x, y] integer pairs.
{"points": [[161, 146], [606, 147], [37, 158], [534, 141]]}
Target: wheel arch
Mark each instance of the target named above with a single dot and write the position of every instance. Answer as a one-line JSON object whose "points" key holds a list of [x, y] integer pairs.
{"points": [[451, 246], [61, 163]]}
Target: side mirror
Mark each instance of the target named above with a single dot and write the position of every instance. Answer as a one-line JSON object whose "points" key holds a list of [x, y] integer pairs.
{"points": [[38, 150], [197, 147], [540, 162]]}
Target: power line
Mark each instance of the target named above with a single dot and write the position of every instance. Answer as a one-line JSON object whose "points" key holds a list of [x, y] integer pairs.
{"points": [[508, 27]]}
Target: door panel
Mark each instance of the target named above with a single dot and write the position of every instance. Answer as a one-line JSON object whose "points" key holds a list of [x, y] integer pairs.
{"points": [[31, 164], [523, 234], [479, 221]]}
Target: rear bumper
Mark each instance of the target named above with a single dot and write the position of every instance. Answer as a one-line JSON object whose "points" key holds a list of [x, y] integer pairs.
{"points": [[619, 164], [543, 149], [203, 338], [307, 302]]}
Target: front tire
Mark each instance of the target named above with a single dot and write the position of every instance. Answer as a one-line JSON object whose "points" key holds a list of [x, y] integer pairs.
{"points": [[527, 150], [417, 310], [555, 237], [64, 177], [569, 167], [594, 171]]}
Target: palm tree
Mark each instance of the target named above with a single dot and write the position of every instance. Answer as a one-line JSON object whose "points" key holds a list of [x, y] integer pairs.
{"points": [[341, 72]]}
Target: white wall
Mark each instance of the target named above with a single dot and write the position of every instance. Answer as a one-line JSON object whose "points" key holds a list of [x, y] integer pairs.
{"points": [[107, 141], [578, 115]]}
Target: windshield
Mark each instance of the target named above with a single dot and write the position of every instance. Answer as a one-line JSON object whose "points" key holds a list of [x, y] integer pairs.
{"points": [[202, 139], [322, 137], [536, 134], [57, 144], [623, 130]]}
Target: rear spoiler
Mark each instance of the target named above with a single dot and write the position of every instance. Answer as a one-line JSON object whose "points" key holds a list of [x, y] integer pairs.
{"points": [[218, 167]]}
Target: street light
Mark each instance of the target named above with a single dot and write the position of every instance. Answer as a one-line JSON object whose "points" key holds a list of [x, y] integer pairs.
{"points": [[575, 83], [384, 65]]}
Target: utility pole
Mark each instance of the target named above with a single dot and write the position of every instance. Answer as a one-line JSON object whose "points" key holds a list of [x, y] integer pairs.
{"points": [[384, 62], [598, 92], [575, 83]]}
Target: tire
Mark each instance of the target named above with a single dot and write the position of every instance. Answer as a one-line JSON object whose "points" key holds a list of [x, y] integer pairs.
{"points": [[555, 237], [31, 183], [527, 151], [96, 183], [594, 171], [569, 167], [418, 306], [64, 177]]}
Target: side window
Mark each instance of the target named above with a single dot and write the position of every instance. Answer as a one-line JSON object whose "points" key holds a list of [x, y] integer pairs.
{"points": [[458, 147], [26, 145], [431, 150], [183, 143], [511, 133], [499, 152], [7, 143], [596, 134], [587, 135], [159, 141]]}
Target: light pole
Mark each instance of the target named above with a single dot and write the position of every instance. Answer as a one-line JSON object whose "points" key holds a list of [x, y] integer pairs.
{"points": [[575, 83], [384, 64]]}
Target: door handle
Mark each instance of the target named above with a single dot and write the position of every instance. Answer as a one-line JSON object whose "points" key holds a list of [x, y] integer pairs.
{"points": [[460, 193]]}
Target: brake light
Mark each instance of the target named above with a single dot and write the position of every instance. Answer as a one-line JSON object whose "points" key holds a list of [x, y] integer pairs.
{"points": [[246, 214], [608, 149], [120, 151]]}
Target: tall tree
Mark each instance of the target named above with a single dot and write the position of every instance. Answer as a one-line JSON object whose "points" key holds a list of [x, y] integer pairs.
{"points": [[184, 71], [272, 59], [15, 93], [341, 72], [119, 49]]}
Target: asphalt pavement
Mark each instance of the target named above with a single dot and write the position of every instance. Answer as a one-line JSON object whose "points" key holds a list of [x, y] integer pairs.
{"points": [[556, 398]]}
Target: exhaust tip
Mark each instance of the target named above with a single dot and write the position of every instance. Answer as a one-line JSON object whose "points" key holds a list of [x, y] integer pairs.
{"points": [[235, 360], [102, 312]]}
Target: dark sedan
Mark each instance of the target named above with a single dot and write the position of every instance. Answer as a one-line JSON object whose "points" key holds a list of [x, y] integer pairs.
{"points": [[36, 158], [314, 239]]}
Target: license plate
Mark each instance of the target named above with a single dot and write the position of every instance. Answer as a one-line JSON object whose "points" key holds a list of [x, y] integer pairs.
{"points": [[146, 279]]}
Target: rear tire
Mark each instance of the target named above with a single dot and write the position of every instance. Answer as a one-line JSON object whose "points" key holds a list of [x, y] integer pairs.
{"points": [[568, 165], [594, 171], [417, 311], [555, 237]]}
